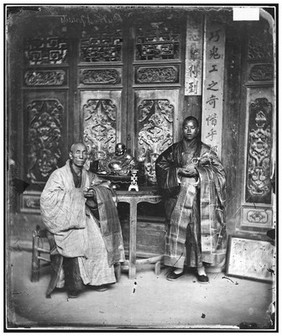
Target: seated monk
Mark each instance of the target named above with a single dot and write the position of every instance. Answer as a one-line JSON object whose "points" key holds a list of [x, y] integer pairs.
{"points": [[84, 249]]}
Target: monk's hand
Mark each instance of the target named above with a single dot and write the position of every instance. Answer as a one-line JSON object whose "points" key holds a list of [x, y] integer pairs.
{"points": [[204, 160], [106, 184], [88, 192], [188, 171]]}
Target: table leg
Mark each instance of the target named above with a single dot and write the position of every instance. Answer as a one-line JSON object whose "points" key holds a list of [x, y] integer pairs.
{"points": [[132, 238]]}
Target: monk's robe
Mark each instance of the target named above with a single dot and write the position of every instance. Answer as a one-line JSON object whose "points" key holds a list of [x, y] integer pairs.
{"points": [[195, 206], [75, 232]]}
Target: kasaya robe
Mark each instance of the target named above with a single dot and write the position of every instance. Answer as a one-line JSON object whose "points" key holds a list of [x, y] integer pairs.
{"points": [[195, 206]]}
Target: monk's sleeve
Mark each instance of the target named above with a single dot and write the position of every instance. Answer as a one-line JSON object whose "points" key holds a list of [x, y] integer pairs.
{"points": [[217, 176], [220, 180], [166, 172], [62, 207]]}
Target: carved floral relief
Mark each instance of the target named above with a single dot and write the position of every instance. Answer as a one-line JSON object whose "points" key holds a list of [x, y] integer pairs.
{"points": [[45, 77], [100, 127], [44, 138], [258, 188], [99, 76], [145, 75], [261, 72], [155, 124]]}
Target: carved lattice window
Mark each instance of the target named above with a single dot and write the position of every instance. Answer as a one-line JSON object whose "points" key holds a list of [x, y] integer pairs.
{"points": [[157, 41], [46, 50], [103, 46]]}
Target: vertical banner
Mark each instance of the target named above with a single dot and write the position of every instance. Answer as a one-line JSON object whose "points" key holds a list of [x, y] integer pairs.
{"points": [[213, 79], [194, 55]]}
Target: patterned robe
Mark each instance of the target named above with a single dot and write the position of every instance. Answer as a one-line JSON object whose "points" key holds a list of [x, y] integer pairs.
{"points": [[195, 206], [75, 232]]}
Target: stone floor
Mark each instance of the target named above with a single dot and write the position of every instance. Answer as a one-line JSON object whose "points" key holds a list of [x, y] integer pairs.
{"points": [[146, 302]]}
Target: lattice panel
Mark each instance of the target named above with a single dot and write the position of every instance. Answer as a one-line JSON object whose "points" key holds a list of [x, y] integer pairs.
{"points": [[157, 41], [46, 50], [104, 46]]}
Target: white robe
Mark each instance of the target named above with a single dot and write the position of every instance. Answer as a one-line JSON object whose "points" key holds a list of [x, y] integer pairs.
{"points": [[75, 230]]}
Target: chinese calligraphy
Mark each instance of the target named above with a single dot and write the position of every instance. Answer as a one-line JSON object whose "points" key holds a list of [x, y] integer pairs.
{"points": [[213, 85], [194, 58]]}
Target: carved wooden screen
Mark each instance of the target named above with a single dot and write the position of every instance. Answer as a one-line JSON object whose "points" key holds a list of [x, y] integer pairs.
{"points": [[44, 110], [100, 80], [157, 65], [101, 121], [129, 88], [156, 112], [118, 80], [45, 87], [257, 209]]}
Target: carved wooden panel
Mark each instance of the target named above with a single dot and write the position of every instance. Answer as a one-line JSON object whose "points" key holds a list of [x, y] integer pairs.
{"points": [[108, 76], [156, 114], [257, 203], [260, 43], [102, 45], [50, 77], [259, 162], [157, 41], [157, 75], [258, 217], [30, 202], [46, 50], [101, 111], [260, 61], [44, 122], [261, 72]]}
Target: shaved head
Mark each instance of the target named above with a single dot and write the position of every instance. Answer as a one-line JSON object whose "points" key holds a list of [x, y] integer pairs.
{"points": [[78, 154], [75, 145]]}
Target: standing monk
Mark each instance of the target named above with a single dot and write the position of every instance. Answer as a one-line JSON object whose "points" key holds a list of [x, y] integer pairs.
{"points": [[192, 180], [83, 246]]}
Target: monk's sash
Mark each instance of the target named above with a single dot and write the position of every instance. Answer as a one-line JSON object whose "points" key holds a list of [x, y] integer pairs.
{"points": [[110, 225], [212, 226], [180, 218]]}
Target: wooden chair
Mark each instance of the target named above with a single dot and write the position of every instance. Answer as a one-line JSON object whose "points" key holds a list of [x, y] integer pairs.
{"points": [[38, 249], [39, 237]]}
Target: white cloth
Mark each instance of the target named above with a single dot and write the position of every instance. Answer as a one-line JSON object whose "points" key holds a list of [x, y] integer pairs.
{"points": [[75, 230]]}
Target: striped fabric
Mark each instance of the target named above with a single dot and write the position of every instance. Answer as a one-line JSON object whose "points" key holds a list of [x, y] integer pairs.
{"points": [[110, 225], [180, 218], [196, 228]]}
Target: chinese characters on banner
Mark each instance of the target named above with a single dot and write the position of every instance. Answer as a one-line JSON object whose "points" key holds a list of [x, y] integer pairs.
{"points": [[213, 76], [194, 56]]}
